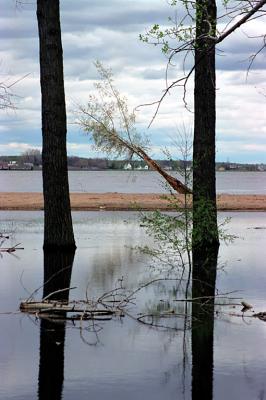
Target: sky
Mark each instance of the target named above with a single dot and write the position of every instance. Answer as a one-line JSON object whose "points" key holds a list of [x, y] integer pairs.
{"points": [[108, 31]]}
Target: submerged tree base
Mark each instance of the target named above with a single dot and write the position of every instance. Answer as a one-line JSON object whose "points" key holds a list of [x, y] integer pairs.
{"points": [[55, 247]]}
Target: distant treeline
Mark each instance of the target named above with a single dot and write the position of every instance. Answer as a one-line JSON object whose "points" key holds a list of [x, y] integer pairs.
{"points": [[86, 163], [104, 163], [82, 163]]}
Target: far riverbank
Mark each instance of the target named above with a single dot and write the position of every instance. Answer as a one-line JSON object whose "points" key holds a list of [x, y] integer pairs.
{"points": [[30, 201]]}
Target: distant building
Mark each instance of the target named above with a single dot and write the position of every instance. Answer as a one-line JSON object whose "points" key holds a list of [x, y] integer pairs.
{"points": [[3, 165], [140, 168], [261, 168], [28, 165], [12, 165], [233, 166], [128, 167]]}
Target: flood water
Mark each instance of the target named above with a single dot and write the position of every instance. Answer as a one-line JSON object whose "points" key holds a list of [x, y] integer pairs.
{"points": [[129, 182], [127, 359]]}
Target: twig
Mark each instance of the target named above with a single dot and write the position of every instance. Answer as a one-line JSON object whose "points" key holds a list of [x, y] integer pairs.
{"points": [[215, 40], [48, 280], [11, 249], [220, 296], [58, 291], [22, 284]]}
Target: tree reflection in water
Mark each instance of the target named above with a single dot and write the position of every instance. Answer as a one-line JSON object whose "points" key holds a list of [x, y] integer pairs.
{"points": [[52, 333], [203, 289], [57, 275]]}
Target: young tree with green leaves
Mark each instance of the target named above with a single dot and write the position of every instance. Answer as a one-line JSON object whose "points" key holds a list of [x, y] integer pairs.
{"points": [[196, 34], [112, 127]]}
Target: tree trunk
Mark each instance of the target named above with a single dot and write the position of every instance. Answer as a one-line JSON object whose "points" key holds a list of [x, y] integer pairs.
{"points": [[58, 230], [176, 184], [205, 232]]}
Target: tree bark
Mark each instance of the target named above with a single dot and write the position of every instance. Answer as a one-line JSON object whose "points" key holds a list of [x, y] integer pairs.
{"points": [[175, 183], [205, 232], [58, 230]]}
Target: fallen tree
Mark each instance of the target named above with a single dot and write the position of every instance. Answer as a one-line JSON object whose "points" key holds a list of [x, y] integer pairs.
{"points": [[107, 120]]}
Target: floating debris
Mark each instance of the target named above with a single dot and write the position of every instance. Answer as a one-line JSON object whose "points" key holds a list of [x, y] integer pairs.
{"points": [[80, 310], [11, 249], [246, 306], [261, 316]]}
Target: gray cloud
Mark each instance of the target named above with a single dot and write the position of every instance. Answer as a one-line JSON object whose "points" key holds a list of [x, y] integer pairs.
{"points": [[108, 31]]}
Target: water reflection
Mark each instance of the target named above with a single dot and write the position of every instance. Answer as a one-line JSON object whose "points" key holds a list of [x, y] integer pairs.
{"points": [[57, 276], [203, 289], [202, 356], [134, 360]]}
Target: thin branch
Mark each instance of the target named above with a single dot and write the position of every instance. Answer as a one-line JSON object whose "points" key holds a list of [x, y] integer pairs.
{"points": [[58, 291], [183, 81], [237, 25], [48, 280]]}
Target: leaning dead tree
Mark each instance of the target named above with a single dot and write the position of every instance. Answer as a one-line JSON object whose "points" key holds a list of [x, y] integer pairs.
{"points": [[111, 125]]}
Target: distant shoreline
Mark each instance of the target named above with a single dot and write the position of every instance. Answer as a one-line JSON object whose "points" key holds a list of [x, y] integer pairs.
{"points": [[33, 201], [73, 169]]}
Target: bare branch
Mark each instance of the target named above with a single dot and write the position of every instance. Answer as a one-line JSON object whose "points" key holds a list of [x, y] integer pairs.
{"points": [[237, 25], [189, 45]]}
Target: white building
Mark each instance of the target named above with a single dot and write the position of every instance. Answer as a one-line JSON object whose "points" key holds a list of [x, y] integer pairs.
{"points": [[128, 167]]}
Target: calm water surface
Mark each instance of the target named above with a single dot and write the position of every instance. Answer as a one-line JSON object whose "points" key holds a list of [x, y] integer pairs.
{"points": [[128, 360], [128, 182]]}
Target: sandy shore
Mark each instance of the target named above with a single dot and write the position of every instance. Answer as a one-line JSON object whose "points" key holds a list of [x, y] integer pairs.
{"points": [[126, 201]]}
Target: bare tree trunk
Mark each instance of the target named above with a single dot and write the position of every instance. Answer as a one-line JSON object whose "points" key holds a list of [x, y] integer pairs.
{"points": [[205, 232], [58, 230]]}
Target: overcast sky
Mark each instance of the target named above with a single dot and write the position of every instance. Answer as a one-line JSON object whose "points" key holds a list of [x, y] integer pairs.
{"points": [[108, 30]]}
